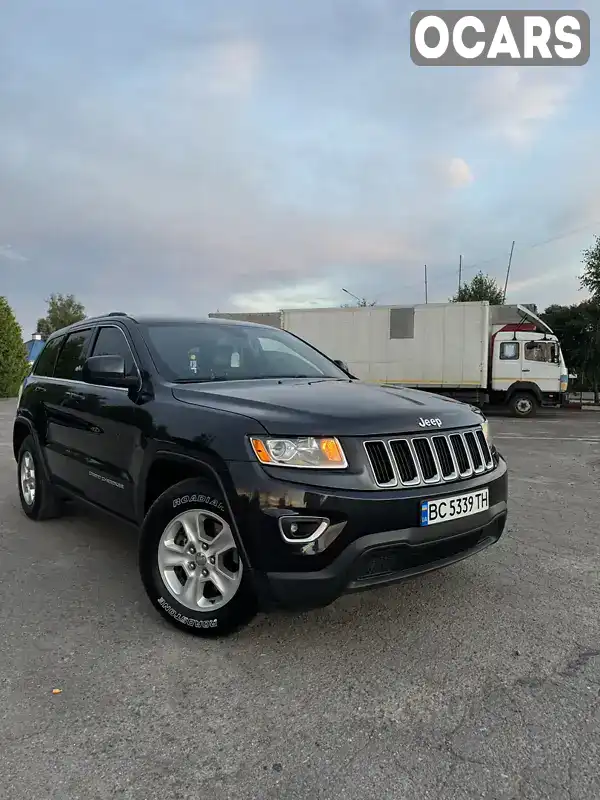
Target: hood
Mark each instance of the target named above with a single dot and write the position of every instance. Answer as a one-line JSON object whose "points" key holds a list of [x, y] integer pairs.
{"points": [[305, 407]]}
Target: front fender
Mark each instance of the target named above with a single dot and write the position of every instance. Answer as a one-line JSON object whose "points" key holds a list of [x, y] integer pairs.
{"points": [[524, 386]]}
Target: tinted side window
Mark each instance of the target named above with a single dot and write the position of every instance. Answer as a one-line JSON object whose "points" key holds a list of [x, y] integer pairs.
{"points": [[47, 358], [111, 341], [71, 358]]}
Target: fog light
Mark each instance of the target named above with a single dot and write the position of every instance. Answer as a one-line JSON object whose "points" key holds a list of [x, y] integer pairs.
{"points": [[302, 529]]}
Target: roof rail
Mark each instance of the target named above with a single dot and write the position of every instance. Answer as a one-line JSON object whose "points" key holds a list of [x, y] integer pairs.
{"points": [[117, 314]]}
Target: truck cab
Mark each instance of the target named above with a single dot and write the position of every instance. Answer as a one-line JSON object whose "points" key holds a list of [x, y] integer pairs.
{"points": [[527, 367]]}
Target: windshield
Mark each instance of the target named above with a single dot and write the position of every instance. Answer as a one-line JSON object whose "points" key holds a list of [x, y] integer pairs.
{"points": [[191, 352]]}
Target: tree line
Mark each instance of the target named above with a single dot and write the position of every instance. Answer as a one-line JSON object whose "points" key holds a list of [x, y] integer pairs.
{"points": [[14, 365]]}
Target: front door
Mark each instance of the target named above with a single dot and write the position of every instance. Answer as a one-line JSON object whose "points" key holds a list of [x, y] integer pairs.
{"points": [[112, 431], [540, 365]]}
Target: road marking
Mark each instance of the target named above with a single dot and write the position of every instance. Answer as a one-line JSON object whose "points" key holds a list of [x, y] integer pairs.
{"points": [[589, 440]]}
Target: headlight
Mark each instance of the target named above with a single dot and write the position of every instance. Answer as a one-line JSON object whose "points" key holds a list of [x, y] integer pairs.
{"points": [[486, 432], [306, 451]]}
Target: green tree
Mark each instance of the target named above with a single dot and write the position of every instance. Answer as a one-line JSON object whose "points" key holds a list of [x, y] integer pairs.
{"points": [[361, 303], [481, 287], [13, 355], [578, 329], [590, 278], [63, 310]]}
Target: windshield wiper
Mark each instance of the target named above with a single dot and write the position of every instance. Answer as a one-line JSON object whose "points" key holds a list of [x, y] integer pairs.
{"points": [[308, 377], [198, 380]]}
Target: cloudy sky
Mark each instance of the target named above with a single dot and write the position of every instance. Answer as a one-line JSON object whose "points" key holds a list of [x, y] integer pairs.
{"points": [[195, 155]]}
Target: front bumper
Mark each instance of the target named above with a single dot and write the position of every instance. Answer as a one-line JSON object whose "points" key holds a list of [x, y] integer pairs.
{"points": [[377, 536], [377, 560]]}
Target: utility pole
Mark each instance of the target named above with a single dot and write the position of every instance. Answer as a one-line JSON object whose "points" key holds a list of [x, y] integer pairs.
{"points": [[425, 283], [508, 269], [459, 272]]}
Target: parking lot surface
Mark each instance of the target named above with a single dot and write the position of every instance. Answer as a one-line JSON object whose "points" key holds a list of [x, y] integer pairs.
{"points": [[478, 681]]}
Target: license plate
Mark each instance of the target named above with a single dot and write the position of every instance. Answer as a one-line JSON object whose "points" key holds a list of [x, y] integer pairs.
{"points": [[449, 508]]}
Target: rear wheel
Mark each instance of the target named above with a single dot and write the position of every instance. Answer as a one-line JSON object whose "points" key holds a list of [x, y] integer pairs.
{"points": [[38, 497], [190, 564], [523, 404]]}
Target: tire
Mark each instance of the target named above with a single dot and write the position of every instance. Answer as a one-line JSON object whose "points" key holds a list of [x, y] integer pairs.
{"points": [[523, 404], [171, 563], [38, 497]]}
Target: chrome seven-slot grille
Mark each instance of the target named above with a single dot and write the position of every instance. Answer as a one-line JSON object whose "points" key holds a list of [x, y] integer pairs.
{"points": [[428, 459]]}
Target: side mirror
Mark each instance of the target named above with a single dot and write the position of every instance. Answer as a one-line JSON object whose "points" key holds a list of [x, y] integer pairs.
{"points": [[341, 364], [108, 371]]}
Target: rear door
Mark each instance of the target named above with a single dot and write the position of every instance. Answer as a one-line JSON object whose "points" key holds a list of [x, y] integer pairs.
{"points": [[112, 429], [39, 389], [62, 398]]}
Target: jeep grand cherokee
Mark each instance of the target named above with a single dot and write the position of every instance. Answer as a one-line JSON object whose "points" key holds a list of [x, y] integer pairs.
{"points": [[260, 473]]}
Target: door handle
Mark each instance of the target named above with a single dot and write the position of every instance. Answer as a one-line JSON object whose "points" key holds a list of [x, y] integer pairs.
{"points": [[39, 389], [526, 370], [75, 395]]}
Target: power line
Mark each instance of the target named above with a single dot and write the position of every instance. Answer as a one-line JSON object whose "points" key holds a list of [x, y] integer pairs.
{"points": [[531, 246]]}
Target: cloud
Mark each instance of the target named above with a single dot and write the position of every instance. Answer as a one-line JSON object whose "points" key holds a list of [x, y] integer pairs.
{"points": [[459, 173], [303, 295], [8, 253], [235, 67], [515, 103], [259, 154]]}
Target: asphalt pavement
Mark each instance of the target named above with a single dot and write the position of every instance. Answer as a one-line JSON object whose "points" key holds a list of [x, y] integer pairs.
{"points": [[478, 681]]}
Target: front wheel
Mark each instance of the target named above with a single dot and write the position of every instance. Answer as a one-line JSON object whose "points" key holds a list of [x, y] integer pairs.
{"points": [[190, 565], [523, 404]]}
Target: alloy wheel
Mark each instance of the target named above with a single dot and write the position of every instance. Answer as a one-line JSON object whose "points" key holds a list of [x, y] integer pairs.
{"points": [[28, 479], [199, 561]]}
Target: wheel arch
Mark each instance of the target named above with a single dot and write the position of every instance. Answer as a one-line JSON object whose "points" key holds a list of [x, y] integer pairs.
{"points": [[21, 430], [168, 468], [526, 387]]}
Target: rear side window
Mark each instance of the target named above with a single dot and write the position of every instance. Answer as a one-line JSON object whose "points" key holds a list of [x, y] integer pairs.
{"points": [[71, 358], [44, 365], [111, 341]]}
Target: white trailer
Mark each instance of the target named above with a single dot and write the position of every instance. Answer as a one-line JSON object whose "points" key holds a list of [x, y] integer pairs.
{"points": [[441, 346], [471, 351]]}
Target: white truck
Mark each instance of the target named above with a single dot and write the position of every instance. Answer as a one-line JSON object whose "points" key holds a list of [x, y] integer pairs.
{"points": [[482, 354]]}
